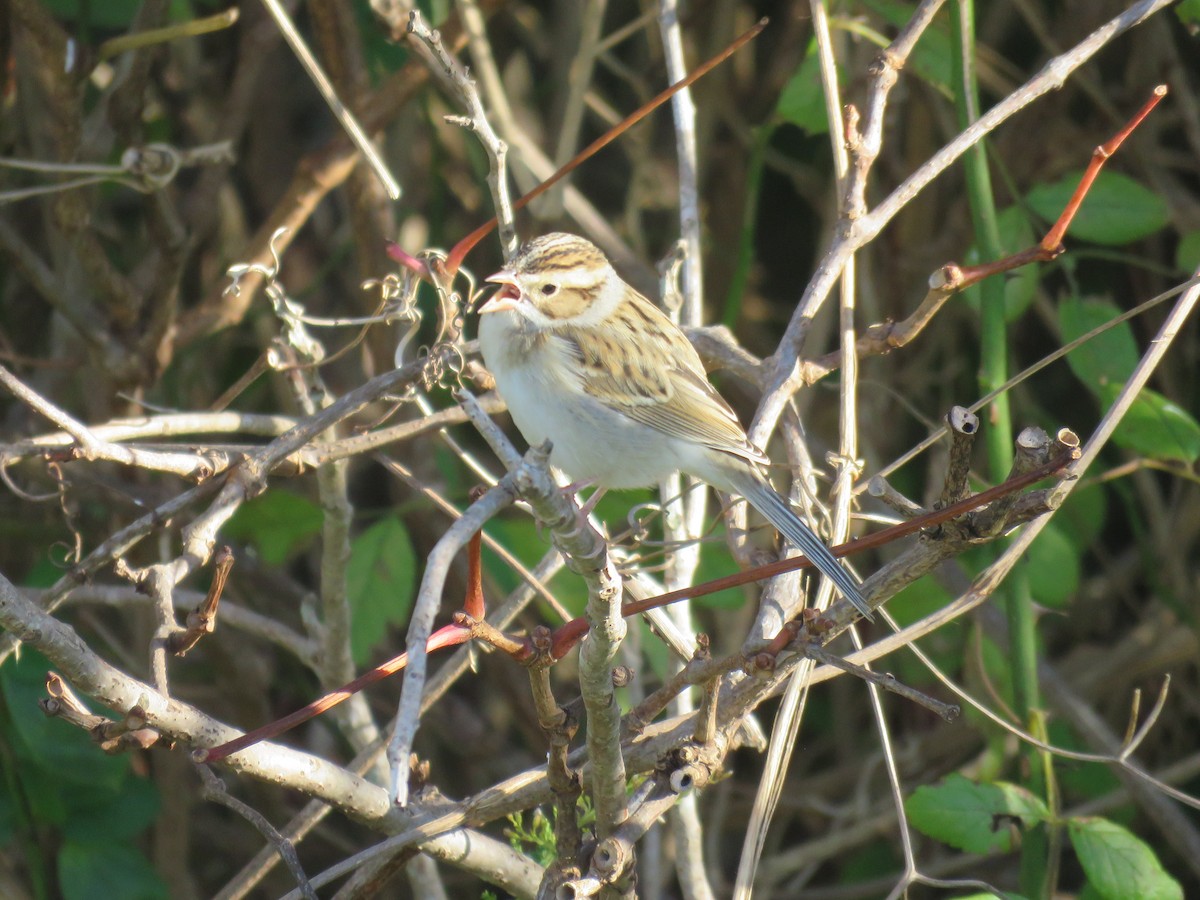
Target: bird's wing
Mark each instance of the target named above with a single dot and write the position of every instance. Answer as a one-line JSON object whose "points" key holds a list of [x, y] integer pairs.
{"points": [[646, 368]]}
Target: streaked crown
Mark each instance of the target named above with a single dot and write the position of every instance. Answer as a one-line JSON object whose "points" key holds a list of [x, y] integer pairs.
{"points": [[558, 252], [561, 274]]}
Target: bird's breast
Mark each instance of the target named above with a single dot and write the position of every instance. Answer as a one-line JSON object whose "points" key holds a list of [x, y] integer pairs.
{"points": [[540, 379]]}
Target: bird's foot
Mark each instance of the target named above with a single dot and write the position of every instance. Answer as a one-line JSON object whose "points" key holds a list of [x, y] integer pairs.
{"points": [[585, 507]]}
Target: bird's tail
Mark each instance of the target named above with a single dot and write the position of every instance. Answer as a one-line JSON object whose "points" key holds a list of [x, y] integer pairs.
{"points": [[759, 494]]}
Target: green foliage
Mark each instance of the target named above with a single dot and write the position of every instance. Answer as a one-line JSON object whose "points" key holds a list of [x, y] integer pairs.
{"points": [[535, 840], [57, 781], [278, 524], [715, 562], [1079, 780], [973, 817], [1083, 514], [914, 602], [658, 657], [802, 100], [1189, 12], [1118, 863], [381, 578], [875, 859], [1020, 286], [102, 872], [931, 59], [1154, 426], [113, 14], [50, 744], [381, 54], [1187, 254], [977, 818], [1116, 211], [118, 15], [1110, 356], [1053, 567], [436, 11], [521, 537]]}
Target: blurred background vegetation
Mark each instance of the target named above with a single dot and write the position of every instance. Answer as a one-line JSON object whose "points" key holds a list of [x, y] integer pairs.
{"points": [[112, 305]]}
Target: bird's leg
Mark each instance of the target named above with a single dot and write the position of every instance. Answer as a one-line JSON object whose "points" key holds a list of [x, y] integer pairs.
{"points": [[585, 508], [576, 486]]}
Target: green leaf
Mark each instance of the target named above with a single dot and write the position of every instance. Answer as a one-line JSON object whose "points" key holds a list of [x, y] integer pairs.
{"points": [[10, 818], [1118, 863], [380, 578], [104, 871], [658, 657], [1088, 781], [381, 54], [1189, 12], [802, 100], [110, 15], [1187, 254], [48, 798], [715, 562], [972, 817], [1020, 285], [1156, 427], [108, 818], [50, 744], [278, 524], [931, 58], [519, 536], [1083, 514], [1111, 356], [1053, 563], [915, 601], [1116, 211], [866, 862], [1023, 804]]}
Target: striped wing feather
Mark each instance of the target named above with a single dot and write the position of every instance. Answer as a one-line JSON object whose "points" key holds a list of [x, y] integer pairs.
{"points": [[647, 369]]}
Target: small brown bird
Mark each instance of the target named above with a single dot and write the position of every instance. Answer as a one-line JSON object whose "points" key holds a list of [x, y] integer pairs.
{"points": [[583, 359]]}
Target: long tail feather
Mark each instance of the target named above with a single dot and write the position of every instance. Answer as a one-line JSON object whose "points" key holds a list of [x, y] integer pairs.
{"points": [[763, 497]]}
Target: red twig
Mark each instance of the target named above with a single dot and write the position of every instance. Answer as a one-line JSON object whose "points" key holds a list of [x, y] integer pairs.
{"points": [[1053, 239], [1051, 247], [468, 625], [569, 634], [473, 603], [203, 619], [462, 630], [462, 248], [447, 636], [459, 251]]}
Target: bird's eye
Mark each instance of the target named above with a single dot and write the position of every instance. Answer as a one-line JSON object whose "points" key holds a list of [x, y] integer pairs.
{"points": [[549, 289]]}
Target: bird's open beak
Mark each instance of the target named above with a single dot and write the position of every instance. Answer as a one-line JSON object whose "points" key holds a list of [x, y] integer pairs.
{"points": [[506, 297]]}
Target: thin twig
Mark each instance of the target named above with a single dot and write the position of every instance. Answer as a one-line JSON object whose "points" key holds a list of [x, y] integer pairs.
{"points": [[429, 595], [214, 790], [864, 229], [326, 89]]}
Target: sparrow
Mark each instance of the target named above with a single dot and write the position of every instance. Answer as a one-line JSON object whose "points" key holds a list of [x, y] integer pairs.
{"points": [[584, 360]]}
